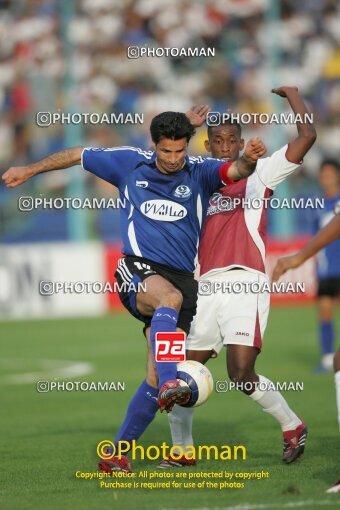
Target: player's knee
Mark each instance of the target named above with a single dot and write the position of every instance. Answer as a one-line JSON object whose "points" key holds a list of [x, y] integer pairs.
{"points": [[241, 374], [325, 309], [172, 299], [326, 315]]}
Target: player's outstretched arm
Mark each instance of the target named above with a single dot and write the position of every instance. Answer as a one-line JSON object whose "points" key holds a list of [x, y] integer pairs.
{"points": [[246, 164], [326, 235], [306, 131], [17, 175]]}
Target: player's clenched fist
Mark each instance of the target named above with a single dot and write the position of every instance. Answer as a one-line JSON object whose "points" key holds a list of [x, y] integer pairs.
{"points": [[255, 149], [16, 175]]}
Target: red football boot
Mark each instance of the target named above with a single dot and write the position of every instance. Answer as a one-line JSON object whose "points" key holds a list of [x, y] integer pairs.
{"points": [[294, 443], [172, 393], [115, 464]]}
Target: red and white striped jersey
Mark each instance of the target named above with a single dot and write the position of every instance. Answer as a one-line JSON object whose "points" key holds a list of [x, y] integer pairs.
{"points": [[234, 233]]}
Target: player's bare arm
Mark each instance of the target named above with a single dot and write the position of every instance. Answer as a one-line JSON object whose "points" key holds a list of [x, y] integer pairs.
{"points": [[326, 235], [66, 158], [306, 131]]}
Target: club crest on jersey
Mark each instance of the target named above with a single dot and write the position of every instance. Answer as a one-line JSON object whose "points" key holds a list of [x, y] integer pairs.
{"points": [[182, 191], [163, 210], [219, 203]]}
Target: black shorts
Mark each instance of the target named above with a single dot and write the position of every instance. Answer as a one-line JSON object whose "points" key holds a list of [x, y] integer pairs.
{"points": [[132, 271], [329, 287]]}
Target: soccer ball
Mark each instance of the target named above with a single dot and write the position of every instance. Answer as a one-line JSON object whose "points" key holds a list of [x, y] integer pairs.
{"points": [[198, 378]]}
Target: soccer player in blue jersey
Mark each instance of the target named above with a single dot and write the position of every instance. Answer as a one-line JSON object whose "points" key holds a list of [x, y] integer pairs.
{"points": [[328, 266], [166, 193]]}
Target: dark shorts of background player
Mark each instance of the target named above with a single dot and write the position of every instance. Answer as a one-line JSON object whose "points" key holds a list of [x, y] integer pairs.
{"points": [[132, 271], [329, 287]]}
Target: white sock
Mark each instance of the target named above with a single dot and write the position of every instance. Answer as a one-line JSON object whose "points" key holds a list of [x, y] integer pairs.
{"points": [[273, 403], [337, 389], [327, 361], [180, 420]]}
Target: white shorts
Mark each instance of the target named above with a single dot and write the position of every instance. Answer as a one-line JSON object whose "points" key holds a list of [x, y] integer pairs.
{"points": [[226, 316]]}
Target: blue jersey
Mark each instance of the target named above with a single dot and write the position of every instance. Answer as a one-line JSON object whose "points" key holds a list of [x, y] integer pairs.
{"points": [[163, 214], [328, 259]]}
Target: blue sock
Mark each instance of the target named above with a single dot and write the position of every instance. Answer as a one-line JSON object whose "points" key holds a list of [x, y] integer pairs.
{"points": [[327, 337], [164, 319], [140, 413]]}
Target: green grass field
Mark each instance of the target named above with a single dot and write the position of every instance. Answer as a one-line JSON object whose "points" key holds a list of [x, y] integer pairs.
{"points": [[47, 437]]}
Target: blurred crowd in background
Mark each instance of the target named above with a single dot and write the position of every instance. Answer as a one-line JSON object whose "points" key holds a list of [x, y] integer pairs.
{"points": [[63, 55]]}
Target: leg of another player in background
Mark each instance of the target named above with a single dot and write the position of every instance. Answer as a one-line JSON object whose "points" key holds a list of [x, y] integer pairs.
{"points": [[180, 419], [241, 369], [326, 332], [337, 381]]}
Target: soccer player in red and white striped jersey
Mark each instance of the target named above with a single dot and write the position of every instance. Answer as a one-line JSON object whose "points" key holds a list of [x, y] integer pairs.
{"points": [[232, 249]]}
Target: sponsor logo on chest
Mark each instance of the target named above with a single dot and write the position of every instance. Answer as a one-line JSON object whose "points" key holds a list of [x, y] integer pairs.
{"points": [[219, 203], [163, 210]]}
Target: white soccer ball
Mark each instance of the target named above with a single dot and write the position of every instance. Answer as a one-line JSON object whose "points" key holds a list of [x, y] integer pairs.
{"points": [[198, 378]]}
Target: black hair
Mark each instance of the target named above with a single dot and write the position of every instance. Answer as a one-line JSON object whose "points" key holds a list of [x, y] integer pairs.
{"points": [[330, 162], [227, 122], [173, 125]]}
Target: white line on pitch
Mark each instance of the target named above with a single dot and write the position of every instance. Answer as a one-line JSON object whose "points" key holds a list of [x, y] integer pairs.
{"points": [[46, 369]]}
